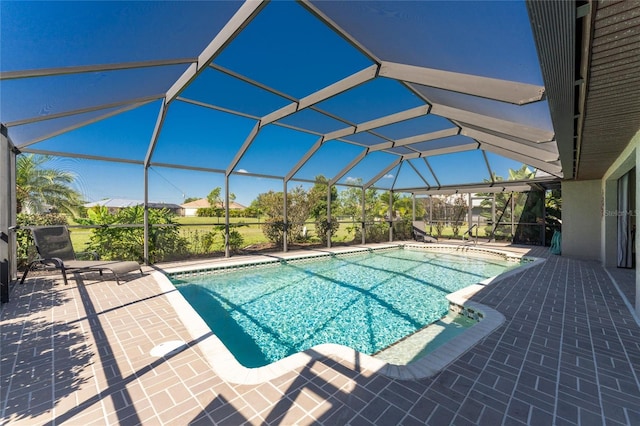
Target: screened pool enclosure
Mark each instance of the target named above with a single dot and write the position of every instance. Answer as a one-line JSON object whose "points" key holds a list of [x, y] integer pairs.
{"points": [[161, 100]]}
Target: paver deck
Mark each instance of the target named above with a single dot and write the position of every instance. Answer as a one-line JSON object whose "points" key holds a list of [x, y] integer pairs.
{"points": [[568, 353]]}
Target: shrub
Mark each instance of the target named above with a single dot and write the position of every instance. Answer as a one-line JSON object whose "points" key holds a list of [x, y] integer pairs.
{"points": [[374, 232], [273, 229], [127, 242], [236, 240], [323, 226]]}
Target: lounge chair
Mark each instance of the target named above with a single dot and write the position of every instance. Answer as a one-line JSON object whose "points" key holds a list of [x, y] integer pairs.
{"points": [[54, 247], [420, 232]]}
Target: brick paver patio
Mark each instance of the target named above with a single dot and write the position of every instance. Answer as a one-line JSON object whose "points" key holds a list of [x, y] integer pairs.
{"points": [[568, 353]]}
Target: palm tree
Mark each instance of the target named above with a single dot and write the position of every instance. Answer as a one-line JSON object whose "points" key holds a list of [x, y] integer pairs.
{"points": [[39, 188]]}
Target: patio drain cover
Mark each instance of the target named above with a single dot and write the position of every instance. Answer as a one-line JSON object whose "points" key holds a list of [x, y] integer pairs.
{"points": [[168, 348]]}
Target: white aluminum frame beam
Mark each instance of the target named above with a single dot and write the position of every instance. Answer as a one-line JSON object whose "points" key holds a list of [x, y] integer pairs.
{"points": [[521, 131], [51, 72], [252, 82], [526, 148], [330, 91], [156, 134], [379, 122], [450, 149], [127, 102], [316, 146], [425, 137], [383, 172], [216, 108], [243, 149], [498, 187], [243, 16], [82, 156], [432, 172], [553, 168], [415, 169], [126, 108], [485, 87], [348, 167], [393, 118]]}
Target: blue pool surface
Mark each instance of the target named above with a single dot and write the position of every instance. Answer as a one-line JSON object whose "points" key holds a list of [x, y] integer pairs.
{"points": [[366, 301]]}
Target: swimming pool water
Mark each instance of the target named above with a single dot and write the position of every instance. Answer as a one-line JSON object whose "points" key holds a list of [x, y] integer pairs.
{"points": [[366, 301]]}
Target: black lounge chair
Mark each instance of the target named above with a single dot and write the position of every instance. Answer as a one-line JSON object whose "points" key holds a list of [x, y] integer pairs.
{"points": [[420, 232], [54, 247]]}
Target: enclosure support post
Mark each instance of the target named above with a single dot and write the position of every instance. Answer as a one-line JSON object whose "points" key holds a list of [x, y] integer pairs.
{"points": [[413, 207], [470, 215], [430, 214], [364, 215], [493, 215], [512, 217], [227, 249], [145, 244], [543, 231], [285, 232], [328, 214], [7, 214], [390, 216]]}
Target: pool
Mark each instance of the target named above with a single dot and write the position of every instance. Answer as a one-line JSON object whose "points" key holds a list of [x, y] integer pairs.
{"points": [[366, 301]]}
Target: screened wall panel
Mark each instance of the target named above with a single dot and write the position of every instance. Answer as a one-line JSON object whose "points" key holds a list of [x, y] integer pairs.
{"points": [[284, 31], [370, 101], [369, 167], [329, 160], [123, 136], [534, 114], [222, 90], [472, 168], [409, 178], [200, 137], [415, 126], [365, 138], [36, 97], [313, 121], [483, 38], [176, 185], [507, 169], [36, 131], [89, 33], [275, 150]]}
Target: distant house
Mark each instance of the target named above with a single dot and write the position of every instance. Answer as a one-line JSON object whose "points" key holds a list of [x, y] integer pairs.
{"points": [[191, 208], [114, 205]]}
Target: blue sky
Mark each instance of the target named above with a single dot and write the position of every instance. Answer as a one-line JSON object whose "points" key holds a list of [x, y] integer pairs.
{"points": [[285, 48]]}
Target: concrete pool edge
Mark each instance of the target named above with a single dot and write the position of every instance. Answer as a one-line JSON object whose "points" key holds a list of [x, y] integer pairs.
{"points": [[228, 368]]}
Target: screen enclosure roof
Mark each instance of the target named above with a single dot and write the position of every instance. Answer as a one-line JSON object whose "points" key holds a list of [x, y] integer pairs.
{"points": [[411, 96]]}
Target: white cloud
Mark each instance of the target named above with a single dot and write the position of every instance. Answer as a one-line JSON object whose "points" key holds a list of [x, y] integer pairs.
{"points": [[242, 171], [389, 176], [352, 180]]}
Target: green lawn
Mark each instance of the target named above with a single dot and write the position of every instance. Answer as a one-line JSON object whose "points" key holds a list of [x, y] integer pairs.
{"points": [[251, 231]]}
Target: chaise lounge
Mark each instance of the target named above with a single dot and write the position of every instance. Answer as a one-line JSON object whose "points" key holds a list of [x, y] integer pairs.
{"points": [[420, 232], [54, 247]]}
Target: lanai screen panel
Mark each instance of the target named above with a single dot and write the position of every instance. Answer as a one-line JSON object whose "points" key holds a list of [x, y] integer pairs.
{"points": [[491, 39], [372, 100], [421, 125], [289, 50], [472, 168], [275, 150], [215, 88], [122, 136], [201, 137], [329, 160], [338, 71], [507, 169]]}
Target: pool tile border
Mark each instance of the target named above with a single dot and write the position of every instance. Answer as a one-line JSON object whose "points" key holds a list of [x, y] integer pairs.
{"points": [[227, 367]]}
